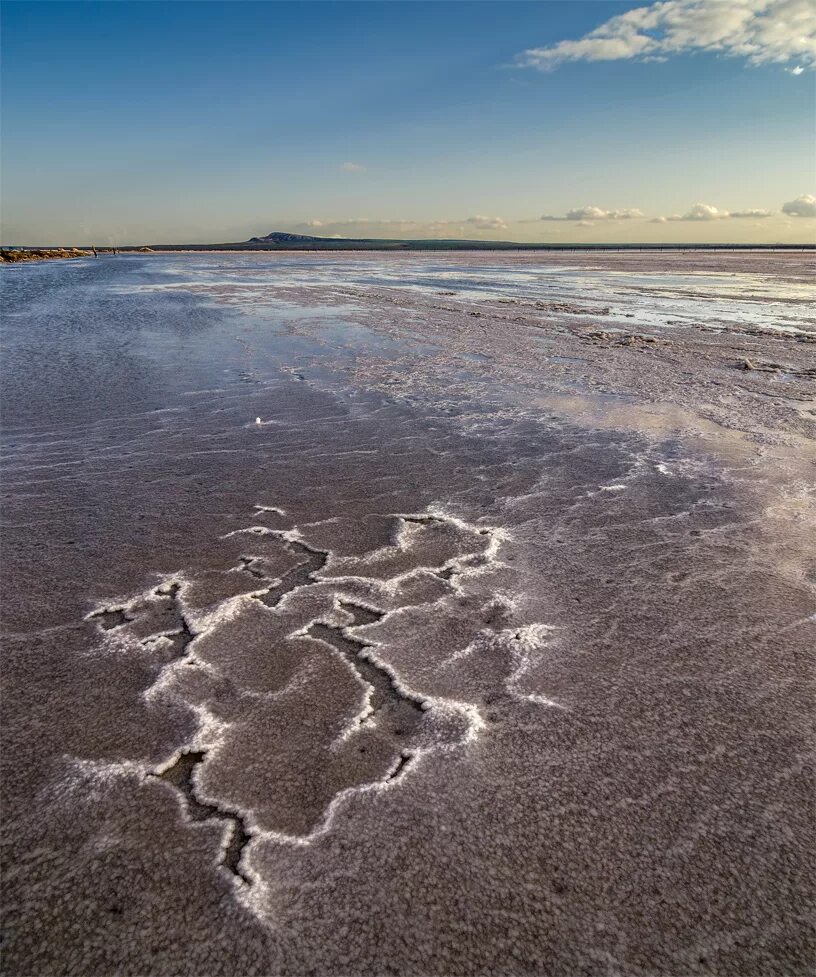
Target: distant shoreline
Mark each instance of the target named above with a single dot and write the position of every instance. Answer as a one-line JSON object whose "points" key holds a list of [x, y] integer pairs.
{"points": [[15, 254]]}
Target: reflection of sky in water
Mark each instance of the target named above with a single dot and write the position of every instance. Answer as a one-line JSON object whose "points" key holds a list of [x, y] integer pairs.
{"points": [[653, 299]]}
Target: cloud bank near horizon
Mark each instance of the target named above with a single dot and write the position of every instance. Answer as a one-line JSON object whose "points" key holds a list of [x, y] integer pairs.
{"points": [[707, 212], [595, 214], [802, 206], [759, 31], [478, 222], [586, 216]]}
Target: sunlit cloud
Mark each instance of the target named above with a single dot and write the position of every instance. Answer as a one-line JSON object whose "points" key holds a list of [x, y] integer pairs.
{"points": [[760, 31], [707, 212], [701, 212], [595, 214], [350, 167], [804, 206]]}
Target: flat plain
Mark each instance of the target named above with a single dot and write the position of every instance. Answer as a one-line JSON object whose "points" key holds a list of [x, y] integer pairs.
{"points": [[409, 614]]}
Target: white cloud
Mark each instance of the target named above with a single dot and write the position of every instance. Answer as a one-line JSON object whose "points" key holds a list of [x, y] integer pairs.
{"points": [[701, 212], [595, 214], [804, 206], [706, 212], [350, 167], [486, 223], [760, 31]]}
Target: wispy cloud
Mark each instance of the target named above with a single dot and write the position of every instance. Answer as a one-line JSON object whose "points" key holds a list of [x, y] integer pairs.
{"points": [[348, 222], [594, 214], [405, 226], [760, 31], [804, 206], [751, 213], [350, 167], [487, 223]]}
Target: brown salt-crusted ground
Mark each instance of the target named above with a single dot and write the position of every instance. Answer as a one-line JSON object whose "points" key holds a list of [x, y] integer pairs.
{"points": [[488, 651]]}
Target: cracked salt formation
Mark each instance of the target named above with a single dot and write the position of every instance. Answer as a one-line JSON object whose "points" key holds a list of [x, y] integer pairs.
{"points": [[393, 727], [155, 619]]}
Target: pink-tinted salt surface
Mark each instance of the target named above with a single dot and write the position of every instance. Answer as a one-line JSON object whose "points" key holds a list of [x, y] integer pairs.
{"points": [[409, 615]]}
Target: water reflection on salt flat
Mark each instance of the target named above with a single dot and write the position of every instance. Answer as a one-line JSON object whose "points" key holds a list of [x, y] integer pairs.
{"points": [[651, 299]]}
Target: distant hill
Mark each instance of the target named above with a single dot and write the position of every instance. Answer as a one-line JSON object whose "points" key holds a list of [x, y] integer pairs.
{"points": [[283, 237]]}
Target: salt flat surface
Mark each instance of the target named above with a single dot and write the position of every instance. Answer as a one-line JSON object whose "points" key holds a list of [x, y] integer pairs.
{"points": [[656, 299], [417, 615]]}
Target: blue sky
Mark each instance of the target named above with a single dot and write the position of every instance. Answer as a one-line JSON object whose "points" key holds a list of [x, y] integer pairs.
{"points": [[189, 121]]}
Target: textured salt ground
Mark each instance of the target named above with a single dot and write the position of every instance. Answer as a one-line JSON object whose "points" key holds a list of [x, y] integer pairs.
{"points": [[612, 624]]}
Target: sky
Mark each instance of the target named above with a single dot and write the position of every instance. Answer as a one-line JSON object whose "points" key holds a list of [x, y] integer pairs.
{"points": [[578, 121]]}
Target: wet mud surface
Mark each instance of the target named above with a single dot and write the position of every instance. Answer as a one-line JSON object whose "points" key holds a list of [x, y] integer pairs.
{"points": [[351, 627]]}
